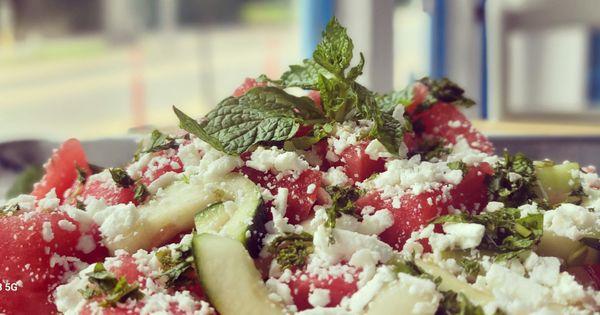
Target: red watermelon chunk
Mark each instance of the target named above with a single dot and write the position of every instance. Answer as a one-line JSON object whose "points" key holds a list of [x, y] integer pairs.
{"points": [[410, 212], [302, 190], [445, 121], [61, 169], [102, 186], [339, 284], [39, 250], [357, 164], [471, 194]]}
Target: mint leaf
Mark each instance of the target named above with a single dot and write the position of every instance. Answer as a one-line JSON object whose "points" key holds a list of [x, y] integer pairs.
{"points": [[334, 52], [263, 114], [140, 193], [388, 102], [306, 142], [357, 70], [337, 97], [190, 125], [304, 76], [342, 202]]}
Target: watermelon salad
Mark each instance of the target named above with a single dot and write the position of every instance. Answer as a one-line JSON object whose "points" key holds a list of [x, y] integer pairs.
{"points": [[308, 194]]}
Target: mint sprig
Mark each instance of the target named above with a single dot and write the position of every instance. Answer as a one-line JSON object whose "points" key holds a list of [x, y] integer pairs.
{"points": [[263, 114]]}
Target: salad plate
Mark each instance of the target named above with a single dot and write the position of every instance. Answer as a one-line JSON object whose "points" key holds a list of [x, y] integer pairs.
{"points": [[305, 194]]}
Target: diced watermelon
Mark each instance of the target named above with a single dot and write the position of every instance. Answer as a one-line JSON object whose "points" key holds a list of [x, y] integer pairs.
{"points": [[411, 214], [300, 198], [340, 285], [248, 84], [445, 121], [101, 186], [128, 267], [471, 194], [40, 249], [61, 169], [357, 164], [162, 163]]}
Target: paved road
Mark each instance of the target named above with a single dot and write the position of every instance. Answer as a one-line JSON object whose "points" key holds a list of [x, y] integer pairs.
{"points": [[91, 97]]}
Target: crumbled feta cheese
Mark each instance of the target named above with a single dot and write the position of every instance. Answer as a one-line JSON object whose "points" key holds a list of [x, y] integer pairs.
{"points": [[311, 188], [335, 176], [47, 234], [458, 235], [66, 225], [86, 244], [49, 202], [376, 150], [413, 174], [571, 221], [346, 244], [276, 159], [319, 297]]}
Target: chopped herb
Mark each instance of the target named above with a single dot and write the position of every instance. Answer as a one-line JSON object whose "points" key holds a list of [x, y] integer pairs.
{"points": [[81, 174], [470, 266], [80, 205], [457, 304], [433, 150], [121, 178], [444, 90], [506, 233], [342, 202], [112, 290], [291, 249], [140, 192], [158, 142], [513, 182], [175, 263], [458, 165]]}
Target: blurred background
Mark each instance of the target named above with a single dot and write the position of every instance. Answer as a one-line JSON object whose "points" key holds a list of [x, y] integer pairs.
{"points": [[98, 68]]}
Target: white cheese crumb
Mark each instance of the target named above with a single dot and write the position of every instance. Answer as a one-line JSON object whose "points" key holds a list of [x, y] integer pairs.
{"points": [[311, 188], [276, 159], [47, 234], [319, 297], [49, 202], [571, 221], [335, 176], [86, 244], [376, 150], [458, 235], [67, 225]]}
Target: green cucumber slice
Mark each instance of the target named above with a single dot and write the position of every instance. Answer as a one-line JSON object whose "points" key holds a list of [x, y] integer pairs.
{"points": [[229, 277], [173, 211], [242, 220], [555, 182]]}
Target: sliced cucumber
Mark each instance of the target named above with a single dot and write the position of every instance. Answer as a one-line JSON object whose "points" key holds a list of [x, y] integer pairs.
{"points": [[398, 298], [451, 283], [555, 181], [242, 221], [172, 212], [229, 277], [572, 252]]}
